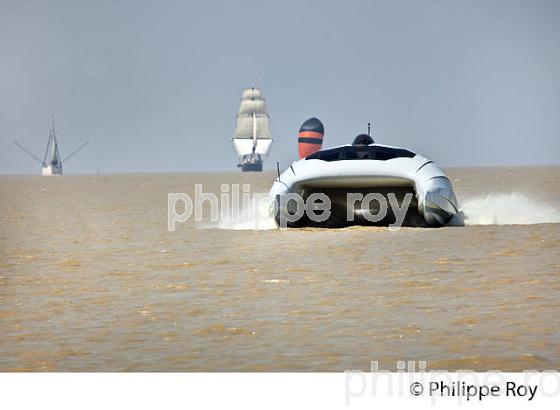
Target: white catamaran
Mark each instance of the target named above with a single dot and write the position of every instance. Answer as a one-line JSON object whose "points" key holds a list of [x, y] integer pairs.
{"points": [[252, 139], [52, 162]]}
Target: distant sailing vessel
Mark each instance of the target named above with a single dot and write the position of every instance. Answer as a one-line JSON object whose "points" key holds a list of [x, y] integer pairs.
{"points": [[252, 139], [51, 163]]}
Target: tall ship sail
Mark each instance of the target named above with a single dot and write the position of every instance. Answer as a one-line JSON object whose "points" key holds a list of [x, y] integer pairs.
{"points": [[252, 138]]}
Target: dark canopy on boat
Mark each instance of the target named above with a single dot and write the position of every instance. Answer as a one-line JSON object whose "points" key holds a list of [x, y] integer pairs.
{"points": [[353, 152]]}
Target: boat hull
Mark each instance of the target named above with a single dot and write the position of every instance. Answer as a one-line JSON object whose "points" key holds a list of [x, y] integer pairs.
{"points": [[252, 167], [50, 170]]}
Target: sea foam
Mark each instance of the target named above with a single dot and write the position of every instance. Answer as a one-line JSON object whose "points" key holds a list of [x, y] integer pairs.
{"points": [[505, 209], [254, 217], [493, 209]]}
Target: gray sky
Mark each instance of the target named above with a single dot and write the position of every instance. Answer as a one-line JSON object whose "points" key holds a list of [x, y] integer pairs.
{"points": [[463, 83]]}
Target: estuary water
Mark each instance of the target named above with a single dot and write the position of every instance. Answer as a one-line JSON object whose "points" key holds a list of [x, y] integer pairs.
{"points": [[92, 280]]}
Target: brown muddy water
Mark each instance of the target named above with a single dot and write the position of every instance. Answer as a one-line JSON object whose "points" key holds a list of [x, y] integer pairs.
{"points": [[92, 280]]}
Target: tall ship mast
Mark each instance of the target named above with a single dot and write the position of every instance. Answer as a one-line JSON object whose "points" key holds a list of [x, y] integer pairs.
{"points": [[51, 164], [252, 138]]}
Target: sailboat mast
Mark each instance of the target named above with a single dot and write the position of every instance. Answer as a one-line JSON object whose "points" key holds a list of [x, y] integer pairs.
{"points": [[254, 132], [47, 147], [53, 146], [254, 121]]}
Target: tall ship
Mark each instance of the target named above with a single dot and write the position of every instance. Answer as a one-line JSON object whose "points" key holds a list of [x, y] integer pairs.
{"points": [[51, 164], [252, 138]]}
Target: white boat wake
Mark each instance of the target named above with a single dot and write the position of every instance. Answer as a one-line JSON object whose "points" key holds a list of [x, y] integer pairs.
{"points": [[255, 217], [492, 209], [505, 209]]}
